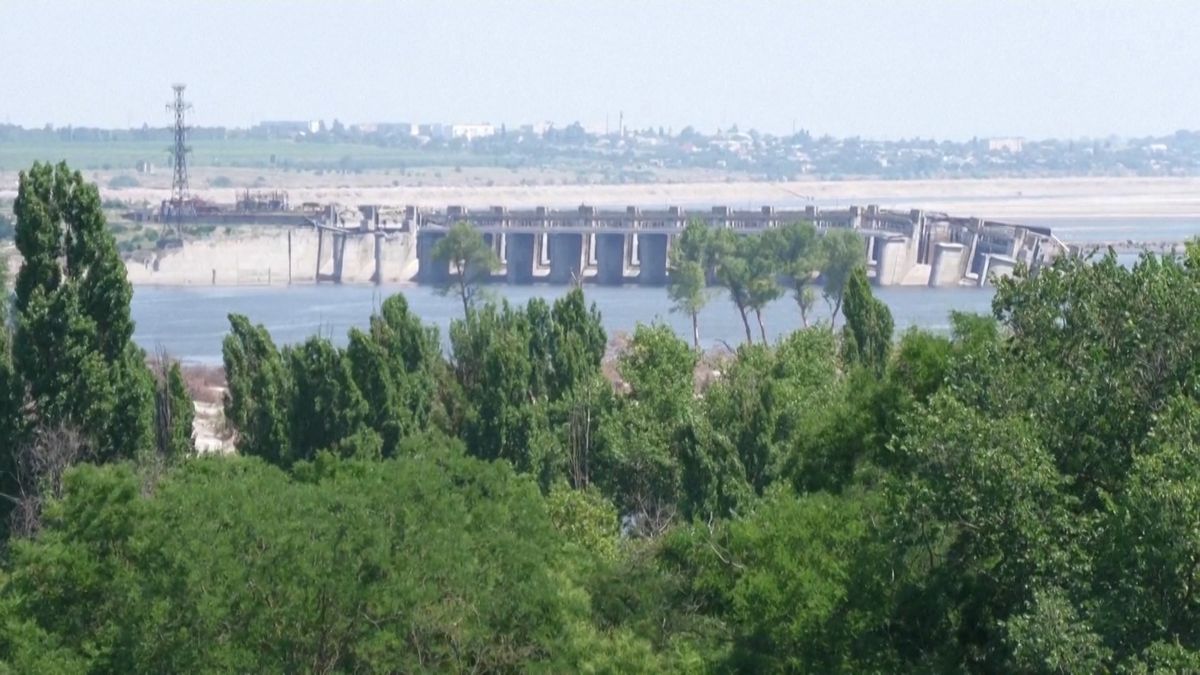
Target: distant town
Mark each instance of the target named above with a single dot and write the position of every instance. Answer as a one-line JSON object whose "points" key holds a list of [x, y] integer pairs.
{"points": [[642, 154]]}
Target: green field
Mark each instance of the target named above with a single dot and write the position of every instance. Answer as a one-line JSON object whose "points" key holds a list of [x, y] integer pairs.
{"points": [[117, 155]]}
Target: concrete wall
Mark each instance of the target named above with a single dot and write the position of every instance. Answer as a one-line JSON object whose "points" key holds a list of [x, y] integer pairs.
{"points": [[996, 267], [274, 256], [893, 261], [610, 259], [566, 258], [946, 265], [652, 259], [521, 250]]}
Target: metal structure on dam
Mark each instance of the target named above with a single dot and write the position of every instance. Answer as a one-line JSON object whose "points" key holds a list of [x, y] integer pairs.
{"points": [[614, 247]]}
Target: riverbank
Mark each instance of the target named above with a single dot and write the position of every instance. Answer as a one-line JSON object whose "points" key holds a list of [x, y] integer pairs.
{"points": [[1131, 197]]}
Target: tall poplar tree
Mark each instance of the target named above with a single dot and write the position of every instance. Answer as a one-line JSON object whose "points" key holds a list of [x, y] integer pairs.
{"points": [[72, 346], [867, 335]]}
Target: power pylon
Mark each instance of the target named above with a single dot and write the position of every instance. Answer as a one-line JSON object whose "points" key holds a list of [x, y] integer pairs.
{"points": [[179, 185]]}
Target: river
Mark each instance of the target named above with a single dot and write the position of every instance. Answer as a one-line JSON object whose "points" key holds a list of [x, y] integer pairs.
{"points": [[189, 323]]}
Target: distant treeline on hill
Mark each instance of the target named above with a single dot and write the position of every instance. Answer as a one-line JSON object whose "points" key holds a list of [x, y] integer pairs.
{"points": [[638, 154]]}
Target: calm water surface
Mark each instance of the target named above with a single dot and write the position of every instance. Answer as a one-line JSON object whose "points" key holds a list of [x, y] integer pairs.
{"points": [[190, 322]]}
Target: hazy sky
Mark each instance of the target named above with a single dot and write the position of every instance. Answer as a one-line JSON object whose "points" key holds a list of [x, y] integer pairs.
{"points": [[941, 68]]}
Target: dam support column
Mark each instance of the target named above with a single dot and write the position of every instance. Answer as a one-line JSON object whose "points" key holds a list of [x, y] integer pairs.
{"points": [[430, 271], [566, 257], [652, 256], [891, 268], [377, 276], [519, 249], [610, 259], [946, 267]]}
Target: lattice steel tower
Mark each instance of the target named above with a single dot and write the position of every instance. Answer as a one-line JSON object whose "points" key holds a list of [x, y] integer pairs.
{"points": [[179, 185]]}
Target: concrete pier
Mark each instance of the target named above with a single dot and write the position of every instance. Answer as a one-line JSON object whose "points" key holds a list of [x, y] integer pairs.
{"points": [[892, 260], [520, 252], [566, 258], [429, 270], [946, 267], [610, 259], [652, 259]]}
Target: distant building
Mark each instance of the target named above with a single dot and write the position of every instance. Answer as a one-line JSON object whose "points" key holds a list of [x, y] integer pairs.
{"points": [[471, 131], [539, 129], [402, 128], [286, 128], [1009, 145]]}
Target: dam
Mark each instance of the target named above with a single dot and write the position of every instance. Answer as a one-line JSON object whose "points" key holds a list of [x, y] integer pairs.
{"points": [[614, 247], [610, 247]]}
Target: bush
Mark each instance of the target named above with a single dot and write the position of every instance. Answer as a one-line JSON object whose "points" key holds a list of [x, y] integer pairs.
{"points": [[220, 182]]}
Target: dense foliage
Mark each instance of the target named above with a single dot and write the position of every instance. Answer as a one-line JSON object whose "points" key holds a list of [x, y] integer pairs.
{"points": [[1019, 495]]}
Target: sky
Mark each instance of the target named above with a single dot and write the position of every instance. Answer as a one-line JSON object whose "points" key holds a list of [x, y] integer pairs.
{"points": [[946, 69]]}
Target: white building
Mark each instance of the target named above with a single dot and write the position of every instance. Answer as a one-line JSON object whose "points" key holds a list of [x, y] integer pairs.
{"points": [[1010, 145], [471, 131]]}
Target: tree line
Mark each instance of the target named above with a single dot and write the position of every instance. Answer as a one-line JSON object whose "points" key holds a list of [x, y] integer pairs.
{"points": [[1019, 494]]}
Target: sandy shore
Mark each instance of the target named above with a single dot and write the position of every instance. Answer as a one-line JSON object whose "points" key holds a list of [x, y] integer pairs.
{"points": [[993, 198]]}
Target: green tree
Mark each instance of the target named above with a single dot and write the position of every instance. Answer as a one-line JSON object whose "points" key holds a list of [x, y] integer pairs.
{"points": [[259, 392], [396, 366], [795, 582], [800, 258], [470, 258], [766, 401], [577, 343], [174, 413], [645, 433], [11, 422], [763, 287], [867, 333], [493, 365], [687, 289], [231, 565], [1149, 545], [842, 252], [585, 519], [986, 518], [73, 344], [692, 265], [326, 408], [735, 271], [696, 243]]}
